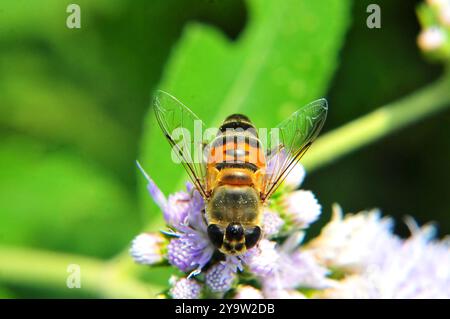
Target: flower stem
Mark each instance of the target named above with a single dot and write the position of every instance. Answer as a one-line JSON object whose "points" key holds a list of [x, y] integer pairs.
{"points": [[381, 122], [23, 266]]}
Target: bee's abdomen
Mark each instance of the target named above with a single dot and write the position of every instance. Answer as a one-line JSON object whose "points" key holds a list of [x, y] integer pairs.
{"points": [[237, 145]]}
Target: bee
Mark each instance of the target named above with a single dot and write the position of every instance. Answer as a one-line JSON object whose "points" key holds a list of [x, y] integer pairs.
{"points": [[232, 169]]}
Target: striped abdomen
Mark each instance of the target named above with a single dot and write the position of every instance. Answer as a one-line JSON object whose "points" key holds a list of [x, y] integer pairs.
{"points": [[235, 154]]}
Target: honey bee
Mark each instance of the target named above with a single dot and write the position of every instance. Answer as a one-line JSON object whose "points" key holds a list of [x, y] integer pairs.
{"points": [[233, 171]]}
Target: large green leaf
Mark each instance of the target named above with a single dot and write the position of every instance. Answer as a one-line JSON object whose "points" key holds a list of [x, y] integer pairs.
{"points": [[284, 58], [88, 87]]}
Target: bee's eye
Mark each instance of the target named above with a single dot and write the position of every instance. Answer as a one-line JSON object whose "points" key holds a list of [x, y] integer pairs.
{"points": [[215, 234], [252, 235], [234, 232]]}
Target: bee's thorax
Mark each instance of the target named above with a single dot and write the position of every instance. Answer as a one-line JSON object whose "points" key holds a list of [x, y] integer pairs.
{"points": [[234, 204]]}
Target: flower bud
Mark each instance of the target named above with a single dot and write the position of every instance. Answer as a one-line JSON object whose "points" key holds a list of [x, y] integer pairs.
{"points": [[302, 208], [147, 248], [219, 278], [185, 288], [431, 39], [272, 222], [295, 178]]}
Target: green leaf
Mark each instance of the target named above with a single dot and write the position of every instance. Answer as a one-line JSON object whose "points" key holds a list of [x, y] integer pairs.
{"points": [[5, 293], [53, 199], [284, 58], [50, 107]]}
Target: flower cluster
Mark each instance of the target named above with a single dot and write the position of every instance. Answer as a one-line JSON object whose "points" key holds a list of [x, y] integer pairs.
{"points": [[354, 255], [377, 264], [434, 39]]}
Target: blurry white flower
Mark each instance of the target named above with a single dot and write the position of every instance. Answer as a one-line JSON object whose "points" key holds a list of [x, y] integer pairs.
{"points": [[355, 241], [419, 269], [191, 248], [431, 38], [147, 248], [295, 178], [415, 268], [184, 288], [302, 208], [248, 292], [284, 268], [272, 222], [303, 270], [296, 268], [264, 259]]}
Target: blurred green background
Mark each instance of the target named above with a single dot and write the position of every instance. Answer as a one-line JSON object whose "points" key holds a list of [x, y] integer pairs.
{"points": [[74, 110]]}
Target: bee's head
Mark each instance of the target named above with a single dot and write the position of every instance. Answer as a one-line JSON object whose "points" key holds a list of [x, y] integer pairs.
{"points": [[234, 239]]}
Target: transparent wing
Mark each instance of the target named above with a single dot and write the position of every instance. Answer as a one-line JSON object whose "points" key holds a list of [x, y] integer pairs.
{"points": [[289, 141], [184, 131]]}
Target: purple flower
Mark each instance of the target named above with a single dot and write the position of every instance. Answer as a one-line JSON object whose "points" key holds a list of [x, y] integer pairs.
{"points": [[156, 194], [236, 263], [272, 222], [308, 272], [220, 277], [263, 261], [390, 267], [298, 270], [177, 208], [356, 241], [190, 252], [191, 249], [284, 268], [375, 263], [185, 288]]}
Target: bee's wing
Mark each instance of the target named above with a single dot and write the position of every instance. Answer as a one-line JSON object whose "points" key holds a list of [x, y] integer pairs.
{"points": [[289, 141], [178, 123]]}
